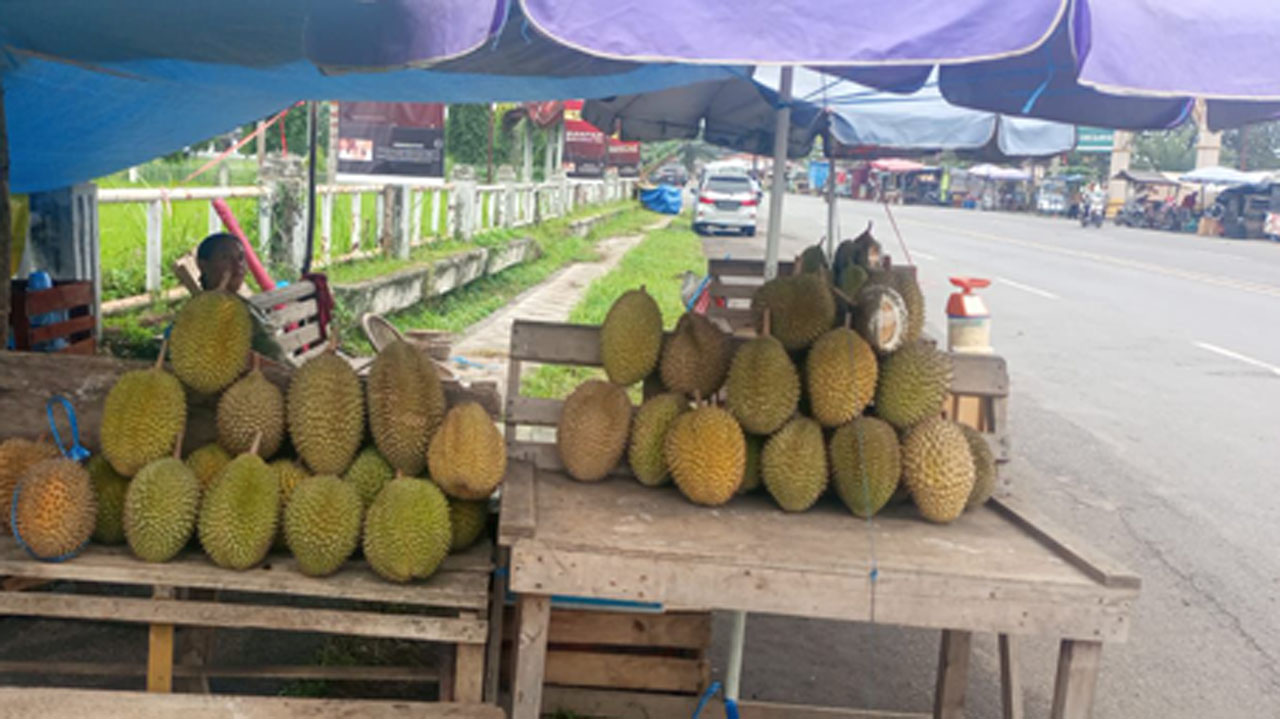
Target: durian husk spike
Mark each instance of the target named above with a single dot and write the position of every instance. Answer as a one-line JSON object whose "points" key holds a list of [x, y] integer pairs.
{"points": [[257, 440]]}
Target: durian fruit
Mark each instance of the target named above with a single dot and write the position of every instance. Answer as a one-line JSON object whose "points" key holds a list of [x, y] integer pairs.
{"points": [[984, 467], [251, 407], [912, 385], [695, 358], [240, 513], [648, 431], [880, 316], [142, 416], [210, 341], [813, 260], [938, 469], [631, 337], [407, 531], [793, 465], [763, 386], [207, 462], [843, 258], [54, 511], [592, 433], [326, 413], [368, 474], [467, 519], [866, 464], [289, 474], [852, 280], [707, 454], [109, 490], [322, 524], [17, 455], [903, 281], [467, 457], [801, 308], [160, 509], [751, 469], [406, 405], [840, 376]]}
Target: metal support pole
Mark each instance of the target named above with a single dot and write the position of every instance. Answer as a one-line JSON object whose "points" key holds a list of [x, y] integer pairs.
{"points": [[781, 131], [311, 187], [737, 642], [7, 240], [831, 208]]}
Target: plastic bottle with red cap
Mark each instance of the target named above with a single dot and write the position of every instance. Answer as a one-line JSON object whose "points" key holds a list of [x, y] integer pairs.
{"points": [[968, 320]]}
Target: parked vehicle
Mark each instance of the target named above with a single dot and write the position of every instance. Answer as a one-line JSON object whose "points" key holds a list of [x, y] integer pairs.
{"points": [[726, 202], [1091, 215], [1132, 214]]}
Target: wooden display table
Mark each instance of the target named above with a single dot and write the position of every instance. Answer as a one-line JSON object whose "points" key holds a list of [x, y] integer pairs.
{"points": [[998, 569], [449, 608]]}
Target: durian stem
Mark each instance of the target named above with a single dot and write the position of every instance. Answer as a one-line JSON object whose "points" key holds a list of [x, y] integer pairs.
{"points": [[257, 441], [177, 443], [164, 347], [764, 330], [257, 361], [697, 398], [841, 294]]}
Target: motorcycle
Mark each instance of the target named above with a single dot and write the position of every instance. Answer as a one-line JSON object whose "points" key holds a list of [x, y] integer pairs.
{"points": [[1091, 215]]}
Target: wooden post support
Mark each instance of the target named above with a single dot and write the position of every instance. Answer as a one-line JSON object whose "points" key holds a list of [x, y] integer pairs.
{"points": [[497, 614], [6, 227], [1078, 664], [468, 670], [160, 649], [953, 674], [1010, 677], [533, 618]]}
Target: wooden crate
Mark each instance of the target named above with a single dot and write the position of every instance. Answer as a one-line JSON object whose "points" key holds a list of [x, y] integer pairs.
{"points": [[452, 608], [73, 298], [1000, 568], [291, 317]]}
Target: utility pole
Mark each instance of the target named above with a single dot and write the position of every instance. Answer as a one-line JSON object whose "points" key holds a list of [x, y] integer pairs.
{"points": [[492, 113], [331, 159], [6, 227]]}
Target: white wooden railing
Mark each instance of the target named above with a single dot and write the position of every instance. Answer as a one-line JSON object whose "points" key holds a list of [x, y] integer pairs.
{"points": [[456, 209]]}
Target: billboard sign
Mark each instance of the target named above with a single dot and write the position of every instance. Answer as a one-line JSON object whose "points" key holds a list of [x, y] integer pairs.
{"points": [[584, 144], [392, 142], [1094, 139]]}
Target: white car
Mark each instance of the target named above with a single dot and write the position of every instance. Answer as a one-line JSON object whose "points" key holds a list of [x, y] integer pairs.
{"points": [[726, 202]]}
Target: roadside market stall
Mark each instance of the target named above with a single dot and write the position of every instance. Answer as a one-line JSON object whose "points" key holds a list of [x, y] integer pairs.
{"points": [[1036, 580]]}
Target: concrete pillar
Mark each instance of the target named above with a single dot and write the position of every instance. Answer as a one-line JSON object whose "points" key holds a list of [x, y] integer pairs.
{"points": [[1121, 154], [1208, 144]]}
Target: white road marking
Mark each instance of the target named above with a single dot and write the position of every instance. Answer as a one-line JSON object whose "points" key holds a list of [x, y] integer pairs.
{"points": [[924, 256], [1027, 288], [1238, 357]]}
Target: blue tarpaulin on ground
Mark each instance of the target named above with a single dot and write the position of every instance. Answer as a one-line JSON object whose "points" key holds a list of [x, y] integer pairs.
{"points": [[663, 198]]}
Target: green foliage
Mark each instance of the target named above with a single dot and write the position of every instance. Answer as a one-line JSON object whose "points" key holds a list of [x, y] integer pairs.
{"points": [[1165, 150], [295, 132], [466, 135], [658, 263], [1261, 147]]}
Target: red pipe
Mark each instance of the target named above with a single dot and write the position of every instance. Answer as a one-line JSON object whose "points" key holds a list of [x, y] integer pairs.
{"points": [[260, 275]]}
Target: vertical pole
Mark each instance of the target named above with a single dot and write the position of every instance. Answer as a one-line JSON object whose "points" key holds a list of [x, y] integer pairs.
{"points": [[6, 227], [262, 148], [737, 642], [214, 222], [331, 158], [357, 201], [155, 228], [527, 171], [549, 154], [831, 208], [326, 235], [492, 113], [781, 131], [312, 153]]}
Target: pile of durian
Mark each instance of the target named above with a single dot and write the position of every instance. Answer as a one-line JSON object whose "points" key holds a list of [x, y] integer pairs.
{"points": [[291, 471], [838, 390]]}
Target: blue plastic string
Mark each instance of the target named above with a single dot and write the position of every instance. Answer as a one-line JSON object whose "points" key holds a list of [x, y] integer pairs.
{"points": [[730, 705], [75, 451]]}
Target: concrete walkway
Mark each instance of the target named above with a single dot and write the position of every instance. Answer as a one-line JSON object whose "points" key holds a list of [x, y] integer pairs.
{"points": [[481, 352]]}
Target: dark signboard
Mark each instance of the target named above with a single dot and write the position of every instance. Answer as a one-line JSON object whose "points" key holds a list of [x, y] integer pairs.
{"points": [[390, 141], [584, 144], [623, 155]]}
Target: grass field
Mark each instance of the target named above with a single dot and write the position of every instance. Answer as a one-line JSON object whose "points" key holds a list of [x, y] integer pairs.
{"points": [[657, 263]]}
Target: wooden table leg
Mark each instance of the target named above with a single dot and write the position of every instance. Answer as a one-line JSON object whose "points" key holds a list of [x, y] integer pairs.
{"points": [[1011, 677], [533, 617], [160, 649], [1078, 664], [468, 670], [953, 674], [497, 610]]}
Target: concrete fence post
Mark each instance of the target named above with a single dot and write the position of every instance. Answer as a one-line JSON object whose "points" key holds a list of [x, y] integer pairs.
{"points": [[357, 202], [155, 231]]}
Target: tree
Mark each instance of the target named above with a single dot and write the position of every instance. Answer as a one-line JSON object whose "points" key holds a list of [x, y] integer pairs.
{"points": [[466, 135], [1261, 144], [1165, 150], [295, 131]]}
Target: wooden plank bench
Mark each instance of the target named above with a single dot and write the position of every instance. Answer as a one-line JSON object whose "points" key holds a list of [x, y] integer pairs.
{"points": [[452, 608], [999, 569], [19, 702]]}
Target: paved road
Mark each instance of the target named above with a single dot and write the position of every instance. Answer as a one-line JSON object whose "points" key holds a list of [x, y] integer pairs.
{"points": [[1146, 376]]}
